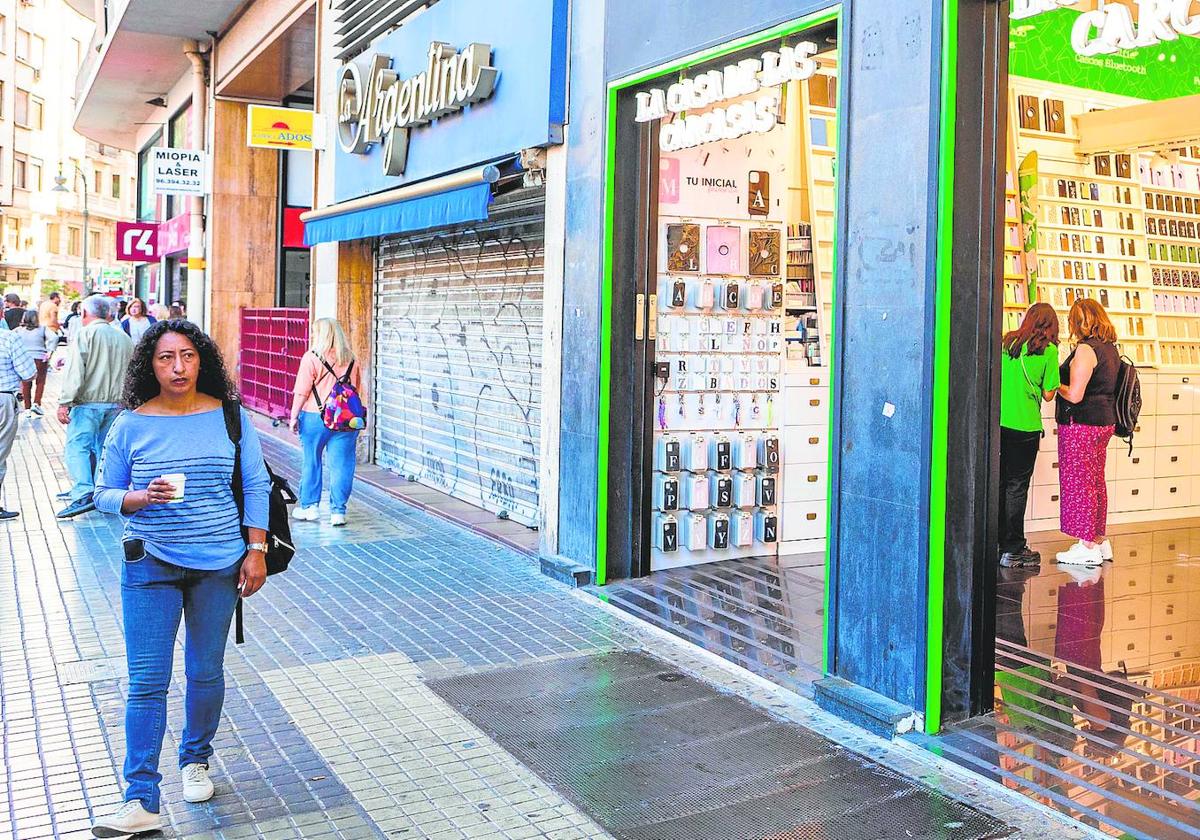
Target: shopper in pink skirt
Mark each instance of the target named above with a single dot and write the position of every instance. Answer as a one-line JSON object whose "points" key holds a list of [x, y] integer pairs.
{"points": [[1086, 415]]}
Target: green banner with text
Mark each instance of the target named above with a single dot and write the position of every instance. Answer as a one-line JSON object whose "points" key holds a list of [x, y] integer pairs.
{"points": [[1040, 48]]}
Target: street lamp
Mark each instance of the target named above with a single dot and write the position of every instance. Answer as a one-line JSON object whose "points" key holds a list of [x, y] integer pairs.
{"points": [[60, 186]]}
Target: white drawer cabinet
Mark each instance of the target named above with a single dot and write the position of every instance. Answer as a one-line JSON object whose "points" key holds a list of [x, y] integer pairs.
{"points": [[1172, 492], [803, 521], [813, 377], [1169, 398], [1139, 465], [1043, 502], [1173, 461], [1134, 494], [1045, 469], [805, 483], [807, 406], [805, 445], [1172, 430]]}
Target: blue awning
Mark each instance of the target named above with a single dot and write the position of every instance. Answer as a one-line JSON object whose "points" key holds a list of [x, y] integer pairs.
{"points": [[452, 207]]}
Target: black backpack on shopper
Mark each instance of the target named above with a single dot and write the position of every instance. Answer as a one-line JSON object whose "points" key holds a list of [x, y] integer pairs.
{"points": [[1127, 399], [280, 548]]}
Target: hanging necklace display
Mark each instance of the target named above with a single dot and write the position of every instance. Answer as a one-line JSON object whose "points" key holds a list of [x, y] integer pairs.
{"points": [[662, 413], [770, 410], [737, 412], [700, 406], [755, 408]]}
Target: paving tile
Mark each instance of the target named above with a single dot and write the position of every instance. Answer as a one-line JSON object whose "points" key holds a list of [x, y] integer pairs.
{"points": [[328, 730]]}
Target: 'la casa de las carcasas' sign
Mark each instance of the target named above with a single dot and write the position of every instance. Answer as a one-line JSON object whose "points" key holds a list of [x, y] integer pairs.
{"points": [[683, 130], [383, 108]]}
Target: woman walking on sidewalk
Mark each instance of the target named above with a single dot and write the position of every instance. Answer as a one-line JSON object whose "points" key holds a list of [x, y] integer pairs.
{"points": [[136, 322], [167, 467], [1087, 416], [328, 361], [39, 343]]}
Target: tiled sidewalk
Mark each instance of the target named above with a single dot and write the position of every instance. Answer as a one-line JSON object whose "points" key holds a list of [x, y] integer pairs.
{"points": [[328, 729]]}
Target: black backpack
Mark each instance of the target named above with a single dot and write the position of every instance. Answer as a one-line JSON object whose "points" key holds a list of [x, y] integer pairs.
{"points": [[1127, 399], [280, 548]]}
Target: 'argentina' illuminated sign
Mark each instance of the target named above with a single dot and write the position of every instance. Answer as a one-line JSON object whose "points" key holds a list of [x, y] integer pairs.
{"points": [[735, 81], [383, 108]]}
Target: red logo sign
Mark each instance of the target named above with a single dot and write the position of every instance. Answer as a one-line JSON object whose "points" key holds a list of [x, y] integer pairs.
{"points": [[137, 241]]}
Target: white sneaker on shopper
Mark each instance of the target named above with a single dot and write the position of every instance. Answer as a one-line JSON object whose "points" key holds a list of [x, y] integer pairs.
{"points": [[337, 519], [130, 819], [1105, 550], [197, 787], [1080, 555], [305, 514]]}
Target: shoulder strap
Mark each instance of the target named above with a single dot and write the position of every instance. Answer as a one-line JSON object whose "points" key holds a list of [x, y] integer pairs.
{"points": [[1037, 392], [233, 427], [345, 377]]}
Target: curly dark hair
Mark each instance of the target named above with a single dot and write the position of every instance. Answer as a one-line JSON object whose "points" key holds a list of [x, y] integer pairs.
{"points": [[141, 385]]}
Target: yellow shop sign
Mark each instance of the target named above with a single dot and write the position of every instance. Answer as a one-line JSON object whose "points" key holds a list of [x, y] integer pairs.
{"points": [[269, 127]]}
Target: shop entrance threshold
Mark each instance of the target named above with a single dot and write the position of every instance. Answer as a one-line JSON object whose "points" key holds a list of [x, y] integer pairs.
{"points": [[765, 614]]}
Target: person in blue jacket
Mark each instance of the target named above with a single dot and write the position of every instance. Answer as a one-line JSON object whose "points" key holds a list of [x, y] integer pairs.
{"points": [[167, 467]]}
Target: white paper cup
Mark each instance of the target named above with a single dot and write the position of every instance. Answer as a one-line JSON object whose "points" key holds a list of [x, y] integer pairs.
{"points": [[177, 480]]}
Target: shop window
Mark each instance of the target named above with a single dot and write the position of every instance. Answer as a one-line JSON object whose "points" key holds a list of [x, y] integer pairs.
{"points": [[146, 201], [74, 242], [20, 171], [116, 185], [21, 108]]}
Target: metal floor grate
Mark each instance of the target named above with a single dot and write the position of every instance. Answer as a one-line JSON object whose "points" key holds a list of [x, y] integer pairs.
{"points": [[652, 753], [91, 670]]}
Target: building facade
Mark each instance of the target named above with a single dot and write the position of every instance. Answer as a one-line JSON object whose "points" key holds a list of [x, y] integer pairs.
{"points": [[169, 75], [48, 243]]}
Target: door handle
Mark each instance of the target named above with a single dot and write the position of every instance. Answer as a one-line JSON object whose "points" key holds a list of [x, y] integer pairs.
{"points": [[652, 319], [639, 319]]}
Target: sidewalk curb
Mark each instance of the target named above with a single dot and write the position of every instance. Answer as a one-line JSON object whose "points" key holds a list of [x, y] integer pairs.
{"points": [[1029, 817]]}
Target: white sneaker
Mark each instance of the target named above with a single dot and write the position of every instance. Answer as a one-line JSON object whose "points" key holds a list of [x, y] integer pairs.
{"points": [[1105, 550], [337, 519], [130, 819], [305, 514], [197, 787], [1080, 555]]}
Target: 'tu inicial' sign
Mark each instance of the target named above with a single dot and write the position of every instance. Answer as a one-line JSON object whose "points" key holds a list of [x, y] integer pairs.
{"points": [[745, 78], [383, 108]]}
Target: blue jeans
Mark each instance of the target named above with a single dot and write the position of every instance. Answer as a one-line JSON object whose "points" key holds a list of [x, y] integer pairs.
{"points": [[315, 440], [85, 444], [154, 595]]}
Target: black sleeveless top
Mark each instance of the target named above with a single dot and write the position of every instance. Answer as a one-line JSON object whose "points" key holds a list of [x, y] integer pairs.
{"points": [[1098, 406]]}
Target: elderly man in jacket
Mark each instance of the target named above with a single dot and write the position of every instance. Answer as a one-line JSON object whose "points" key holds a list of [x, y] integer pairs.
{"points": [[89, 402]]}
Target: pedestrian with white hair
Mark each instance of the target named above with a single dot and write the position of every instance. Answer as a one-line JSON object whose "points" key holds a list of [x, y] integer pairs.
{"points": [[89, 401]]}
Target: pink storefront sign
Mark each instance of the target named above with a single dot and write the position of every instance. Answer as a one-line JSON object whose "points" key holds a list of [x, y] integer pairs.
{"points": [[174, 235], [137, 241]]}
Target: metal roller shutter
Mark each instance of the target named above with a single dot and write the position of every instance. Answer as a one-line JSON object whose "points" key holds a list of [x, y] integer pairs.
{"points": [[458, 371]]}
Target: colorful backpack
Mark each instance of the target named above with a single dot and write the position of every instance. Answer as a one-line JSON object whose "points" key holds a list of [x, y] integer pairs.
{"points": [[342, 410]]}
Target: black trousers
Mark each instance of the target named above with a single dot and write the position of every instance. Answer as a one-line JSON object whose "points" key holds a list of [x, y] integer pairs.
{"points": [[1018, 453]]}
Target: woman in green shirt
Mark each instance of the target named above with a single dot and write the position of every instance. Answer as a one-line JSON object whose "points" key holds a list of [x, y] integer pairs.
{"points": [[1028, 376]]}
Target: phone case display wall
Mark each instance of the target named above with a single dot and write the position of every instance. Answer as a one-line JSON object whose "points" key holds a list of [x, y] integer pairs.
{"points": [[1123, 228], [728, 288]]}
